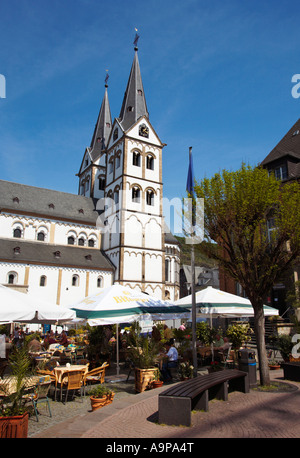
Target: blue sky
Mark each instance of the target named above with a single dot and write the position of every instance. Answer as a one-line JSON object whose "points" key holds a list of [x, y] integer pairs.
{"points": [[216, 74]]}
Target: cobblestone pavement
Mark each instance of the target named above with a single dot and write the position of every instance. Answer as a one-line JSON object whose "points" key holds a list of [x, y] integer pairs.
{"points": [[253, 415]]}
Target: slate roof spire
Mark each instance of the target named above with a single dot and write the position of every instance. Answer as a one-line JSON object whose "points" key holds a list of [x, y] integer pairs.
{"points": [[103, 126], [134, 103]]}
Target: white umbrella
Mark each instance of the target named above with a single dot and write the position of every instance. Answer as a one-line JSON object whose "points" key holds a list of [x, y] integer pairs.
{"points": [[27, 308], [212, 301], [119, 304]]}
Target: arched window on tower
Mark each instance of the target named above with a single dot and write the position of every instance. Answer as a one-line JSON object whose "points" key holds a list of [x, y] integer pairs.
{"points": [[136, 159], [101, 183], [150, 197], [100, 282], [168, 270], [136, 194], [150, 162]]}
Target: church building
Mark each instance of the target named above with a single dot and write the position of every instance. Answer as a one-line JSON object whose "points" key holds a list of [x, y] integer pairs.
{"points": [[66, 246]]}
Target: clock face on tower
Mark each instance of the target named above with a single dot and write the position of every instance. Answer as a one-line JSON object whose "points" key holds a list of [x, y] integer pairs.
{"points": [[144, 131]]}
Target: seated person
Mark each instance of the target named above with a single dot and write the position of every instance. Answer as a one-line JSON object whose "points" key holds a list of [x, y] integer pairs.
{"points": [[172, 361], [64, 339], [34, 346]]}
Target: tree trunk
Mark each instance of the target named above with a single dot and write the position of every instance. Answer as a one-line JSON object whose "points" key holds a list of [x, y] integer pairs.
{"points": [[259, 329]]}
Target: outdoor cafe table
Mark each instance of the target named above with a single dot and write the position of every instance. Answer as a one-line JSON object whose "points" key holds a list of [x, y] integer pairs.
{"points": [[60, 370], [8, 384]]}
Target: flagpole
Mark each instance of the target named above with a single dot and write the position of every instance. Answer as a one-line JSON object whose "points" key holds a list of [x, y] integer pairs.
{"points": [[190, 189], [195, 362]]}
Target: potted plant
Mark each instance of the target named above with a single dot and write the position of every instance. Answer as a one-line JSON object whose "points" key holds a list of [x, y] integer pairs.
{"points": [[143, 352], [185, 370], [13, 410], [273, 364], [285, 346], [238, 335], [157, 382], [100, 396]]}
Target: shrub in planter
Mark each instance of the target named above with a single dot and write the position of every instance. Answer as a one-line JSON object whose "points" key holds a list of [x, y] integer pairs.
{"points": [[13, 410], [143, 353], [100, 396]]}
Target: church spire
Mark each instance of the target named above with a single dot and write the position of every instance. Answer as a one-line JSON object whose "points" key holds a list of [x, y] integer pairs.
{"points": [[102, 127], [134, 103]]}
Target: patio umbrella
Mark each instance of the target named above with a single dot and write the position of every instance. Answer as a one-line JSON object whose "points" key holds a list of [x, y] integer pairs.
{"points": [[120, 304], [214, 302], [28, 308]]}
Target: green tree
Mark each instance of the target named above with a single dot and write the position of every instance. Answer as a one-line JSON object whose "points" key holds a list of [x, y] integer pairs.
{"points": [[255, 222]]}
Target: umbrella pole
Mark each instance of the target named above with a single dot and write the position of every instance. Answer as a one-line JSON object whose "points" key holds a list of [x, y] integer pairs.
{"points": [[117, 349], [194, 311]]}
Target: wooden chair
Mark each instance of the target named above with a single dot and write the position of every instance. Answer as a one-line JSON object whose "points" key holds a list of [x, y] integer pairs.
{"points": [[96, 375], [67, 356], [229, 358], [47, 372], [72, 380], [80, 362], [40, 395], [78, 354]]}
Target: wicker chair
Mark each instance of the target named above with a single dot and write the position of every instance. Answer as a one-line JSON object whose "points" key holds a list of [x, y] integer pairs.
{"points": [[46, 372], [71, 380], [96, 375]]}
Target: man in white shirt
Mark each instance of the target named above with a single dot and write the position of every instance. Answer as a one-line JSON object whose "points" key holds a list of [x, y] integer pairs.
{"points": [[172, 361]]}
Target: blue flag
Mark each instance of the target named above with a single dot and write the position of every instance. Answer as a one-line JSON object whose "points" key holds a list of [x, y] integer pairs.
{"points": [[190, 177]]}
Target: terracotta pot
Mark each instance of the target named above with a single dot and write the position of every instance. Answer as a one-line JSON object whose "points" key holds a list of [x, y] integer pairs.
{"points": [[157, 383], [97, 403], [14, 427], [274, 368]]}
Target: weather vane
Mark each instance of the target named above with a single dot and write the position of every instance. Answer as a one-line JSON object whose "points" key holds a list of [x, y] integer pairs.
{"points": [[136, 38], [106, 78]]}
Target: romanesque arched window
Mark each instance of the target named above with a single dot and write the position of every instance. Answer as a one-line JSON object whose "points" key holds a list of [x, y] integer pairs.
{"points": [[136, 194], [136, 159]]}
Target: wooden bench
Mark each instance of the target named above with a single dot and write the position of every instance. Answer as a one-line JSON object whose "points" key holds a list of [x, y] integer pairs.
{"points": [[176, 403]]}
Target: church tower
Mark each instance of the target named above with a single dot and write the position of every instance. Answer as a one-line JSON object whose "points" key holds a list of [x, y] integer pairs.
{"points": [[133, 235], [93, 167]]}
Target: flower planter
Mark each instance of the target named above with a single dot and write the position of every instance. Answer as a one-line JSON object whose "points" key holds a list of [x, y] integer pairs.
{"points": [[144, 378], [14, 427], [97, 403], [274, 367], [157, 383]]}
